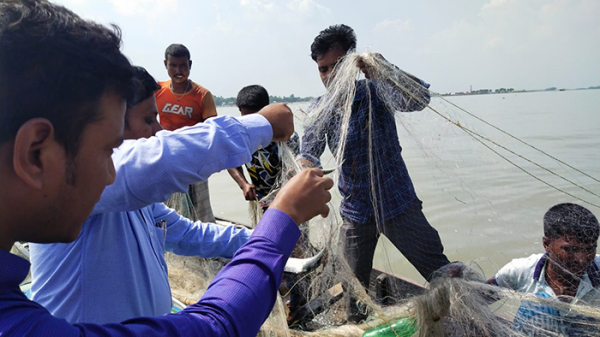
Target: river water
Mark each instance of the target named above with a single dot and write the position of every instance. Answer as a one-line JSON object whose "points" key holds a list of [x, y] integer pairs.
{"points": [[486, 210]]}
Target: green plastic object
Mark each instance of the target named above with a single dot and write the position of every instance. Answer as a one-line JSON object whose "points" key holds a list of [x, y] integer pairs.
{"points": [[402, 327]]}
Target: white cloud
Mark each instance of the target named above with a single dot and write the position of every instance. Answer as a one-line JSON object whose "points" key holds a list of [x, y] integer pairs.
{"points": [[489, 43], [146, 8], [393, 25], [307, 7], [255, 11], [221, 28], [258, 4], [524, 40], [70, 3], [493, 41], [542, 32], [497, 4], [460, 35]]}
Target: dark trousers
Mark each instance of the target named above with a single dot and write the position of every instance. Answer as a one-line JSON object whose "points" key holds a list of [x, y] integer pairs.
{"points": [[410, 232]]}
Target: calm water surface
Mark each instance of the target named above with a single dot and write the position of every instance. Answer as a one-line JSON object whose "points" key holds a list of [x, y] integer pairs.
{"points": [[486, 210]]}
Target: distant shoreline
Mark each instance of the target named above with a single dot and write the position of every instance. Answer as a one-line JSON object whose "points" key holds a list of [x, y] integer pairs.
{"points": [[230, 101], [510, 91]]}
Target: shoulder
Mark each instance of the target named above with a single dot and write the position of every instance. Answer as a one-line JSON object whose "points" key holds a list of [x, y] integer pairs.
{"points": [[164, 84], [164, 88], [517, 270], [523, 264], [200, 90], [313, 104]]}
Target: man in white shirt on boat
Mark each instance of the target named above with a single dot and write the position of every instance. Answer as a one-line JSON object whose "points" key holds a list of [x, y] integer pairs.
{"points": [[569, 270], [116, 270]]}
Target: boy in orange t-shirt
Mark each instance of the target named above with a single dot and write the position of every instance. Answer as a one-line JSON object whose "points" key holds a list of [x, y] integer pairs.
{"points": [[181, 102], [179, 110]]}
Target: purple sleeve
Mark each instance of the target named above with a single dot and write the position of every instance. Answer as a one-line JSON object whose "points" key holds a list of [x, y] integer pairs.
{"points": [[242, 295], [236, 303]]}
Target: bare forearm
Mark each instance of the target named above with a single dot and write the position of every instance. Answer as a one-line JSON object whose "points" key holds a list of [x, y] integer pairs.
{"points": [[238, 175]]}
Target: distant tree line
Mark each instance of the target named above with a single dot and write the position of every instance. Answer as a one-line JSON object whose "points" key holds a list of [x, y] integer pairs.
{"points": [[220, 100], [508, 90]]}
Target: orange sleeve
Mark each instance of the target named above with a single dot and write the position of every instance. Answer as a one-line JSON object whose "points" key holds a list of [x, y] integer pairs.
{"points": [[209, 109]]}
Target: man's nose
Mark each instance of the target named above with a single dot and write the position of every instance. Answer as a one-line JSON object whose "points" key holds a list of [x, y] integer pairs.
{"points": [[583, 257]]}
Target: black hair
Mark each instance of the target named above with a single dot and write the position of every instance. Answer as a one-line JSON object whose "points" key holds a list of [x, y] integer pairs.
{"points": [[145, 86], [57, 66], [336, 36], [252, 97], [177, 50], [571, 220]]}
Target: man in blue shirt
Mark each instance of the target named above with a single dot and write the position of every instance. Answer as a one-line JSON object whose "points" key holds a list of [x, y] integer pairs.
{"points": [[372, 168], [63, 88], [137, 234]]}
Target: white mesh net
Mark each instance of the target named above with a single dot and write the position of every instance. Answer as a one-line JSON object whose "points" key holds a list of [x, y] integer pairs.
{"points": [[360, 120]]}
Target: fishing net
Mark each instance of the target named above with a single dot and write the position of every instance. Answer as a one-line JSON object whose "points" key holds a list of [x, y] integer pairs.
{"points": [[456, 301]]}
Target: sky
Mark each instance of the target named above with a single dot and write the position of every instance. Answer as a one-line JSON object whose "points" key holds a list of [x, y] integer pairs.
{"points": [[453, 45]]}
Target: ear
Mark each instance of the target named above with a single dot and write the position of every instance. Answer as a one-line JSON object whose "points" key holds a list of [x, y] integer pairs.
{"points": [[33, 143], [546, 242], [165, 62], [190, 64]]}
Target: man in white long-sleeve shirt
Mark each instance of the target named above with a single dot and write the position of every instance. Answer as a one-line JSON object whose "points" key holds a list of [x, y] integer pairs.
{"points": [[115, 270]]}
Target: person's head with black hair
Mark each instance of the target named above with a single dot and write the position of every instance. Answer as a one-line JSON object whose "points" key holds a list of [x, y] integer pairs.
{"points": [[571, 220], [570, 237], [251, 99], [178, 62], [336, 36], [57, 66], [140, 117], [144, 84], [64, 84], [330, 46], [177, 50]]}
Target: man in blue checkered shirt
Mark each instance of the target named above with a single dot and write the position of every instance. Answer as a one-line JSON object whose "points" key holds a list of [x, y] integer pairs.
{"points": [[373, 168]]}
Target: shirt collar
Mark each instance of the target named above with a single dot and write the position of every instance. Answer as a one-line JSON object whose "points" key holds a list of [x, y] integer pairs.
{"points": [[593, 272], [539, 267], [13, 270]]}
